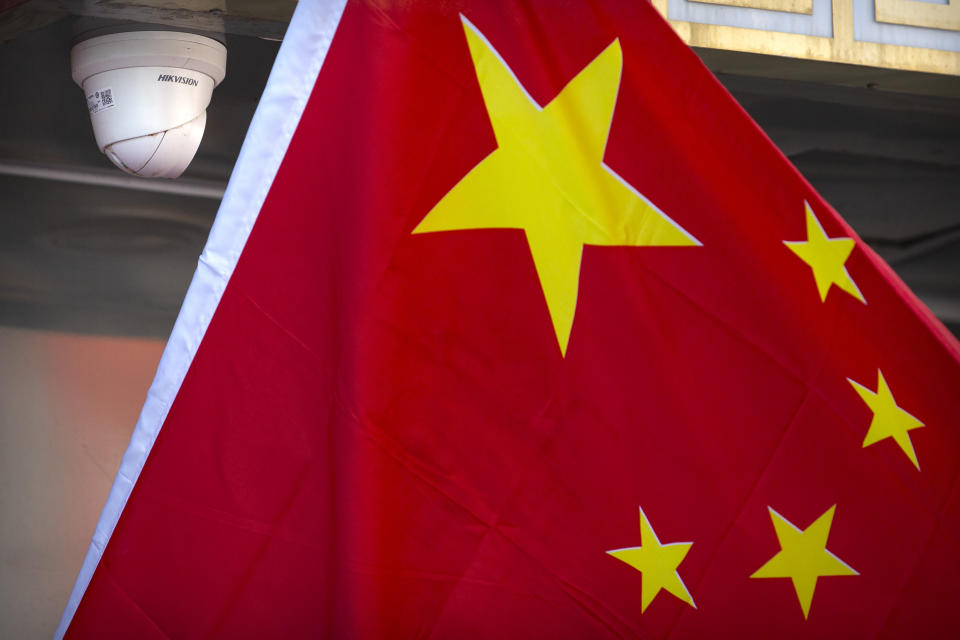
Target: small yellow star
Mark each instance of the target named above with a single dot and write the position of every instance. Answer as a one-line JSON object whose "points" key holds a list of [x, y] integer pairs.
{"points": [[889, 420], [658, 563], [826, 256], [547, 177], [803, 556]]}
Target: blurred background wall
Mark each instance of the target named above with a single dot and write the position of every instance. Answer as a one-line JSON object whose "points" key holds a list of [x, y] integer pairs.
{"points": [[67, 407]]}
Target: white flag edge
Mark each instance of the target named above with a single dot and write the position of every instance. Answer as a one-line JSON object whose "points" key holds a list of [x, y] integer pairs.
{"points": [[294, 74]]}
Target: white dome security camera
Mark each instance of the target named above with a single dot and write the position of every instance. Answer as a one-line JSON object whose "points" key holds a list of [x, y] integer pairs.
{"points": [[147, 93]]}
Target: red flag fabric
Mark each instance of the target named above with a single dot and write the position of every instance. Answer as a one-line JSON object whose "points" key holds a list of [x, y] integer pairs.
{"points": [[533, 333]]}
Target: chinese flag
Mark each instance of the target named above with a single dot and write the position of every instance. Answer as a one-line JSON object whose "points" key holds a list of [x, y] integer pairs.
{"points": [[513, 325]]}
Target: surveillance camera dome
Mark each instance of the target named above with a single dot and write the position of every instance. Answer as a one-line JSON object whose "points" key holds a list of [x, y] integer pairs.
{"points": [[147, 93]]}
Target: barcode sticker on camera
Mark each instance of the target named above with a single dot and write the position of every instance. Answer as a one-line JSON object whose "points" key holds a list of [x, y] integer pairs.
{"points": [[100, 100]]}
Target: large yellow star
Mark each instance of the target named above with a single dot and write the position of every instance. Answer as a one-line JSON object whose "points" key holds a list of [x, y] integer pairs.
{"points": [[889, 420], [657, 563], [826, 256], [547, 177], [803, 556]]}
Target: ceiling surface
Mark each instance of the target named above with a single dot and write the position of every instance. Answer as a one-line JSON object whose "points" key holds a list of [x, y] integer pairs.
{"points": [[84, 248]]}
